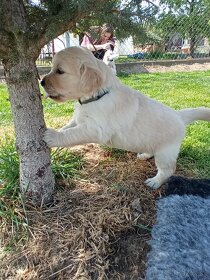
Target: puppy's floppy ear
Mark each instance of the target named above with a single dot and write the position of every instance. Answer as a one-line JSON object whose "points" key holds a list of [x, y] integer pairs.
{"points": [[91, 78]]}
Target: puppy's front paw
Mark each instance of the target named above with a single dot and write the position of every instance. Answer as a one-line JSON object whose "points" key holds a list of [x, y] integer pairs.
{"points": [[52, 138], [153, 183]]}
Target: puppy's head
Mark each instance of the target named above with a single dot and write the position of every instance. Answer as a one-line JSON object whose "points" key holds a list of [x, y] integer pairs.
{"points": [[75, 74]]}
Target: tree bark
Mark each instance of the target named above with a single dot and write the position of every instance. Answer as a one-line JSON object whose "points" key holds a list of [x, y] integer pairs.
{"points": [[192, 31], [36, 178]]}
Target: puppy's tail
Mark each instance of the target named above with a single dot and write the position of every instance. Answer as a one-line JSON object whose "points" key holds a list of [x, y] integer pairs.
{"points": [[193, 114]]}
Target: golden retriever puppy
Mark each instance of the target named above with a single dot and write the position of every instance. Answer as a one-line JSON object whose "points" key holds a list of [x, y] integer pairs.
{"points": [[111, 113]]}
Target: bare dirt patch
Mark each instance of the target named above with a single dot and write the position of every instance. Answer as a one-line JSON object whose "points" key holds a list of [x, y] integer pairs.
{"points": [[179, 67], [162, 66], [98, 227]]}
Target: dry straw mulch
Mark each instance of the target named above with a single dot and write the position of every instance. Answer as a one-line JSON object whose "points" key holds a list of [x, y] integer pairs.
{"points": [[98, 227]]}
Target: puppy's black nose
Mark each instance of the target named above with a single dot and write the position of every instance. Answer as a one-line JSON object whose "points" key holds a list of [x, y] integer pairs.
{"points": [[43, 82]]}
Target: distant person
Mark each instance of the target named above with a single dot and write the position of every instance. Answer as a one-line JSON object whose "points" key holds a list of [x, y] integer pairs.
{"points": [[99, 40]]}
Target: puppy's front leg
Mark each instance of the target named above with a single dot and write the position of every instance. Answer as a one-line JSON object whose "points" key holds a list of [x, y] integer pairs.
{"points": [[71, 136], [72, 123]]}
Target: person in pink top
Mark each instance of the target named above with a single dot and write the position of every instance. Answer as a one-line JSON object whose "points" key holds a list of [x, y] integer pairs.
{"points": [[99, 45]]}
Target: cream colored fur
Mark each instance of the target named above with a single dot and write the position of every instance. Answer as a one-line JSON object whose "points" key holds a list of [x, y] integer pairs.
{"points": [[124, 118]]}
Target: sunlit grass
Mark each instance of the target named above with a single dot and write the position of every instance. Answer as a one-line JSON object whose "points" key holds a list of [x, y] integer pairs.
{"points": [[177, 90], [5, 112]]}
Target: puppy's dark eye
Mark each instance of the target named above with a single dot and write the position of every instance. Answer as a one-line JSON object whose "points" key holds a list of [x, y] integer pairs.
{"points": [[59, 71]]}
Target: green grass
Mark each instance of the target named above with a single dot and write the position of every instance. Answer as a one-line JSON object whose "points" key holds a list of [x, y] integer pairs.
{"points": [[5, 113], [11, 203], [66, 164], [177, 90]]}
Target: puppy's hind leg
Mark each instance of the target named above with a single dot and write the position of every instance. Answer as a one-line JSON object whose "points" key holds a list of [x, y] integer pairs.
{"points": [[165, 160]]}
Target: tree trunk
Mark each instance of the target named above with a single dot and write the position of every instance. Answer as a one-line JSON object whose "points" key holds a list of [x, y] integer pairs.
{"points": [[192, 31], [193, 42], [36, 178]]}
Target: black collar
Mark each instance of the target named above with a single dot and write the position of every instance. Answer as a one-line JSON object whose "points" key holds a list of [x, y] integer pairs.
{"points": [[95, 97]]}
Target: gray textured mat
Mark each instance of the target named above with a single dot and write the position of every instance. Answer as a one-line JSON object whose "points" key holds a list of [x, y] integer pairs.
{"points": [[180, 244]]}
